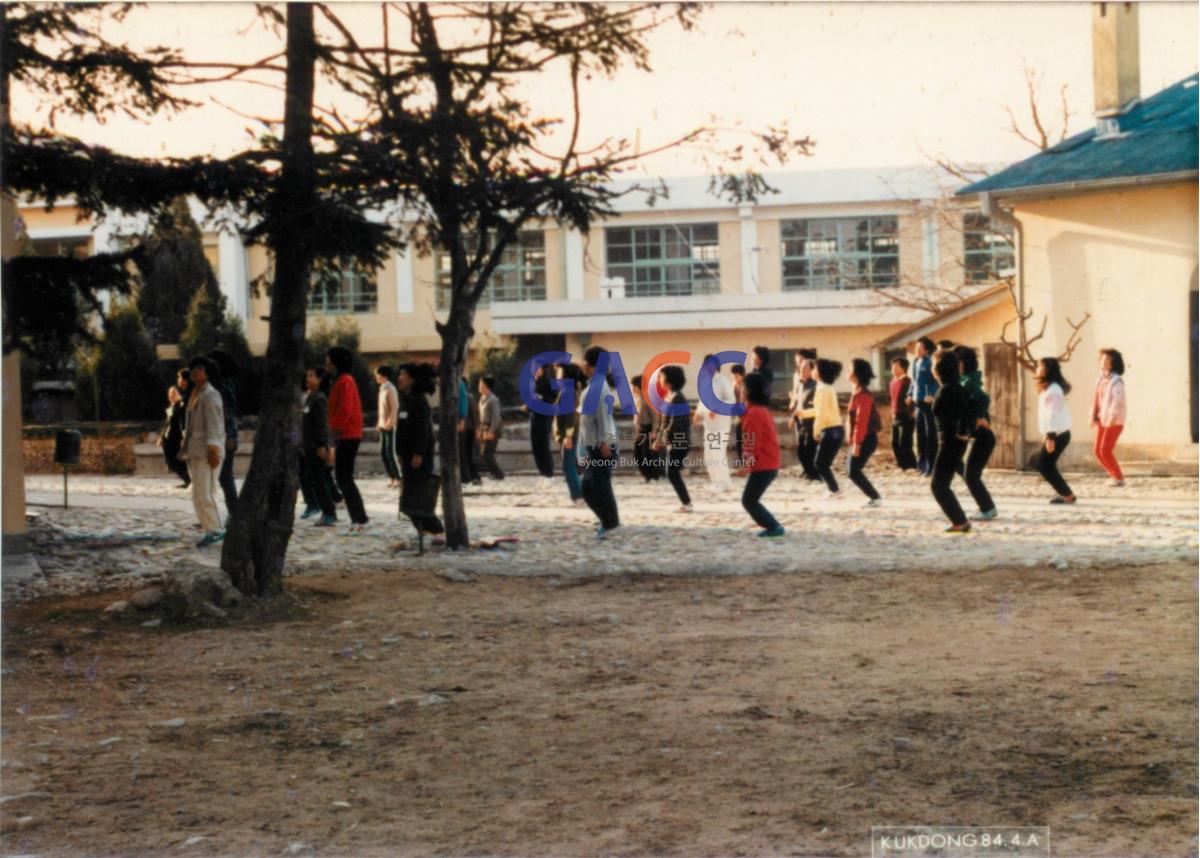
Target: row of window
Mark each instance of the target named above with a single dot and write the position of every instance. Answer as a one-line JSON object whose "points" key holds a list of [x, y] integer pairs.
{"points": [[684, 259], [676, 260]]}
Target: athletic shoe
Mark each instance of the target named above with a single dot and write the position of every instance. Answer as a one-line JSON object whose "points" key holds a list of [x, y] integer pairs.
{"points": [[578, 502], [1116, 484], [327, 521], [210, 539], [186, 484], [310, 511], [773, 533], [985, 516], [1057, 499], [687, 507], [959, 528], [873, 502], [604, 533], [833, 496]]}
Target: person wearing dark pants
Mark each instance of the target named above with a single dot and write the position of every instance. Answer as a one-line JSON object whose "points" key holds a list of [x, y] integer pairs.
{"points": [[761, 452], [864, 429], [675, 434], [346, 422], [598, 439], [804, 386], [467, 413], [414, 448], [1054, 422], [387, 407], [226, 384], [924, 389], [314, 451], [566, 431], [952, 411], [983, 440], [171, 436], [827, 423], [542, 425], [490, 425], [900, 395]]}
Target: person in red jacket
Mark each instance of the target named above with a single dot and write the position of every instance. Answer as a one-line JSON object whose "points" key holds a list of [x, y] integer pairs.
{"points": [[864, 428], [346, 421], [760, 452]]}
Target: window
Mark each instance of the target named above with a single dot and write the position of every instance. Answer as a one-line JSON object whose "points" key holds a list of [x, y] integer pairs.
{"points": [[343, 289], [683, 259], [987, 248], [520, 276], [79, 247], [840, 253]]}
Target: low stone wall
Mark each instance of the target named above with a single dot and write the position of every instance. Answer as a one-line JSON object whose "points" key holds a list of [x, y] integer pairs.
{"points": [[105, 448]]}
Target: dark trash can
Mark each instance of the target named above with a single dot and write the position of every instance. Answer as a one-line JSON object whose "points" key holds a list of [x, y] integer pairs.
{"points": [[66, 446]]}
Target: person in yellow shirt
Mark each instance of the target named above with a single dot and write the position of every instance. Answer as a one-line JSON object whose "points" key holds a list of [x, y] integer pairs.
{"points": [[827, 422]]}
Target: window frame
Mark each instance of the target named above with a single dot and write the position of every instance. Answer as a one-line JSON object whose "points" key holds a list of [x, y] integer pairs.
{"points": [[1000, 241], [653, 266], [357, 301], [529, 288], [831, 271]]}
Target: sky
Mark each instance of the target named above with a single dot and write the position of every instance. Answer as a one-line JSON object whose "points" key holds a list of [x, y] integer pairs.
{"points": [[874, 84]]}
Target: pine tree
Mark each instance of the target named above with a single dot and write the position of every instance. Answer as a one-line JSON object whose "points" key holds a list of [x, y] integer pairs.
{"points": [[172, 270]]}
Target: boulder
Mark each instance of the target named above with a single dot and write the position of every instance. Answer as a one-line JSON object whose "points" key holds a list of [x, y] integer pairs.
{"points": [[146, 599], [189, 587]]}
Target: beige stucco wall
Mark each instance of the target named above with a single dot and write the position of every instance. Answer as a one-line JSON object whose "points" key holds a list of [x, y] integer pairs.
{"points": [[36, 217], [1129, 258], [14, 471]]}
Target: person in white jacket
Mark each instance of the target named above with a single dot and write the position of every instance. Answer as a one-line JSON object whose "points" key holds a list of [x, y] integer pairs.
{"points": [[716, 429], [1108, 412], [204, 449], [1054, 424], [387, 410]]}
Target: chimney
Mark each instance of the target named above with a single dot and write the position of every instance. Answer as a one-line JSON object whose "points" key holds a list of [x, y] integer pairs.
{"points": [[1115, 63]]}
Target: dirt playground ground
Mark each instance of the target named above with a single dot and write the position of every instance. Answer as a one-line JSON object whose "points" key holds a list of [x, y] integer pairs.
{"points": [[394, 713]]}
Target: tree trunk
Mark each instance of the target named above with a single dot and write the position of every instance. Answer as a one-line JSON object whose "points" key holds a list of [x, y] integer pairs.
{"points": [[456, 338], [257, 539]]}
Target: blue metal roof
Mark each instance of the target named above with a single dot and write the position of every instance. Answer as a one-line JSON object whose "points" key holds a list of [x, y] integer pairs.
{"points": [[1157, 137]]}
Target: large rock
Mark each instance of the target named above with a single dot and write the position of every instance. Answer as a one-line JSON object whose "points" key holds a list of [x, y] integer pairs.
{"points": [[146, 599], [189, 587]]}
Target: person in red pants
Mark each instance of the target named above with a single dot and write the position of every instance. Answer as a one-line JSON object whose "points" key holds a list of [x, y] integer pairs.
{"points": [[1108, 412]]}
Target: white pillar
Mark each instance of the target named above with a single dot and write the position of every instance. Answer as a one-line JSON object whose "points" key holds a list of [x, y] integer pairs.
{"points": [[749, 250], [231, 255], [404, 280], [573, 262], [930, 254], [104, 240]]}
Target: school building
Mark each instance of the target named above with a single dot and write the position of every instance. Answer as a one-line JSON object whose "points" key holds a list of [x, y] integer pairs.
{"points": [[814, 265]]}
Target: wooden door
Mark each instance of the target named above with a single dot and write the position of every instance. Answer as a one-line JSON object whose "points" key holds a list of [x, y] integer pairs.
{"points": [[1000, 370]]}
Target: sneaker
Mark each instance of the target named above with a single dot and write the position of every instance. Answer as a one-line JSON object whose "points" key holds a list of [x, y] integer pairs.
{"points": [[210, 539], [578, 502], [1115, 483], [833, 495], [874, 502], [985, 516], [687, 507], [605, 532], [186, 484], [959, 528], [327, 521], [1057, 499], [309, 512], [773, 533]]}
